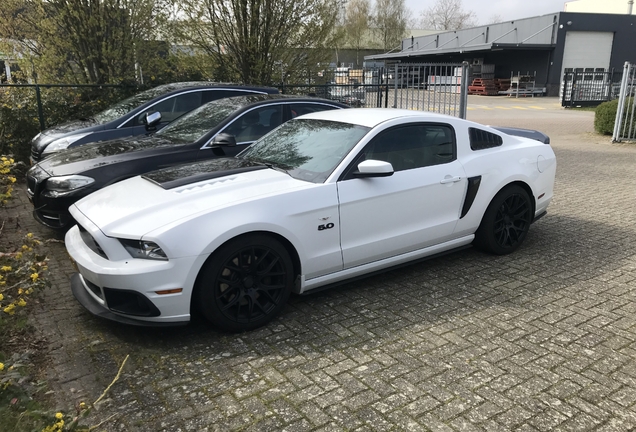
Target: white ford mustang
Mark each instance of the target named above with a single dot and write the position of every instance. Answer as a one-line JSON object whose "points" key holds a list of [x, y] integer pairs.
{"points": [[326, 197]]}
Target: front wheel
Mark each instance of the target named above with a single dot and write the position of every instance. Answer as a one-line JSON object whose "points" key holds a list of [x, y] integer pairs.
{"points": [[245, 283], [506, 221]]}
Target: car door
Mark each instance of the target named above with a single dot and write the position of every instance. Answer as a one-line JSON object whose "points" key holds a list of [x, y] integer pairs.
{"points": [[170, 108], [418, 206]]}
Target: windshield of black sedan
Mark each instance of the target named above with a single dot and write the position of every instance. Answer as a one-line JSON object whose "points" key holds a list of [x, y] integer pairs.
{"points": [[123, 107], [307, 149], [199, 122]]}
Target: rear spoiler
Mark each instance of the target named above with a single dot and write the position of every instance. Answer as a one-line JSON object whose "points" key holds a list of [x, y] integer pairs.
{"points": [[525, 133]]}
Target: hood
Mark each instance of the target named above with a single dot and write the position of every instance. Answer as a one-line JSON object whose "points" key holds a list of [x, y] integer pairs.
{"points": [[170, 178], [83, 158], [41, 140], [137, 206]]}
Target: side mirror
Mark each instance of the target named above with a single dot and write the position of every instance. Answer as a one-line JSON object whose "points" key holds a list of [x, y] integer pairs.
{"points": [[373, 168], [223, 140], [151, 120]]}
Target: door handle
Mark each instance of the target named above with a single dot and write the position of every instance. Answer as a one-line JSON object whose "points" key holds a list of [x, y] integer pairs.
{"points": [[449, 179]]}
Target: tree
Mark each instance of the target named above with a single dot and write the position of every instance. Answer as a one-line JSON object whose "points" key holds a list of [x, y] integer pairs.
{"points": [[89, 41], [357, 18], [252, 40], [389, 19], [447, 15]]}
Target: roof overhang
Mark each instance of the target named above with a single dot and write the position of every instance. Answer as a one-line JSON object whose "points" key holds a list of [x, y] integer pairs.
{"points": [[459, 50], [536, 33]]}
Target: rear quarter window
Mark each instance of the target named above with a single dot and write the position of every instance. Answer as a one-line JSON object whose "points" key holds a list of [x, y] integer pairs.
{"points": [[481, 139]]}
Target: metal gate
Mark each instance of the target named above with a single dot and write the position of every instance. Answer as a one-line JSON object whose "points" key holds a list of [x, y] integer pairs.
{"points": [[588, 86], [625, 123], [434, 87], [430, 87]]}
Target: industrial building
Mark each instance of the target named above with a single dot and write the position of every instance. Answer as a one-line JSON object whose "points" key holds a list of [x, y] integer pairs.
{"points": [[542, 47]]}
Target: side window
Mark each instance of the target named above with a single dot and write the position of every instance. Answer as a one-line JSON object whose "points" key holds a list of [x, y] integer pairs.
{"points": [[173, 107], [300, 109], [481, 139], [212, 95], [253, 124], [413, 146]]}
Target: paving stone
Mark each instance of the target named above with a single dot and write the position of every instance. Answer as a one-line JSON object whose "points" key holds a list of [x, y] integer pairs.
{"points": [[543, 339]]}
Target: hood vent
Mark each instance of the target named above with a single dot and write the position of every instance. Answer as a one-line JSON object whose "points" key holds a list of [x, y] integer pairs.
{"points": [[206, 185]]}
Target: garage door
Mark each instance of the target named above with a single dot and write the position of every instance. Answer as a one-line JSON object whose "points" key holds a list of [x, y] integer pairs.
{"points": [[587, 50]]}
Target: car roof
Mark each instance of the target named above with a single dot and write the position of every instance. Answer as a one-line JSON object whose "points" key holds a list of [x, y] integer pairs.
{"points": [[262, 99], [371, 117], [167, 88]]}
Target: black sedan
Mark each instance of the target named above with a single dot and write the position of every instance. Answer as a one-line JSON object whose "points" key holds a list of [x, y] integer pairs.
{"points": [[220, 128], [126, 118]]}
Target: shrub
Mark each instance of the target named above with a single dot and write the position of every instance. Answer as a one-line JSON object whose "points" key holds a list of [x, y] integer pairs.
{"points": [[605, 116], [19, 121]]}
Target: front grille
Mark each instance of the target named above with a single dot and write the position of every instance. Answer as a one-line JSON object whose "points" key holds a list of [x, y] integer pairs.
{"points": [[35, 155], [31, 184], [91, 243]]}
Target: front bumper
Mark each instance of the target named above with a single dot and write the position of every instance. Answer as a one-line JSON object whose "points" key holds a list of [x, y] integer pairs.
{"points": [[125, 287], [80, 291], [52, 212]]}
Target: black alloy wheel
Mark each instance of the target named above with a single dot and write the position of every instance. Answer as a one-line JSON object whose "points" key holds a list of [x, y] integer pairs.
{"points": [[506, 221], [245, 283]]}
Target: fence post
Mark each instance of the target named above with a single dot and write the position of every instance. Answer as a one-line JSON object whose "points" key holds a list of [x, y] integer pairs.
{"points": [[621, 102], [378, 102], [395, 86], [386, 90], [38, 98], [463, 97]]}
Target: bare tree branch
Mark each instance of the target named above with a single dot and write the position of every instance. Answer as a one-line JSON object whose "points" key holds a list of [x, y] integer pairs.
{"points": [[447, 15]]}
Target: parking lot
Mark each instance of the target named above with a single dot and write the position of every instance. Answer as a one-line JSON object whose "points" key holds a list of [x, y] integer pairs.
{"points": [[543, 339]]}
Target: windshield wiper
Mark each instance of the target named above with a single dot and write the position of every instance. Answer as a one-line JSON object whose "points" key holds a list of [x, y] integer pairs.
{"points": [[269, 164]]}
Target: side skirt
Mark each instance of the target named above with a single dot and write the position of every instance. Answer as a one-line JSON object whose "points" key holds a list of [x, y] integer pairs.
{"points": [[366, 270]]}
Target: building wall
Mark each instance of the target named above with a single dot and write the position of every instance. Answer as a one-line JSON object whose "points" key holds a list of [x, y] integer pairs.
{"points": [[623, 49]]}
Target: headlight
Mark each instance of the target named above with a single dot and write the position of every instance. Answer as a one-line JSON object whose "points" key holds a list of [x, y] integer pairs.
{"points": [[62, 143], [144, 249], [67, 183]]}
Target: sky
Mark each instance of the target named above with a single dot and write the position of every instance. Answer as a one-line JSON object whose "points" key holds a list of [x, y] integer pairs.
{"points": [[507, 9]]}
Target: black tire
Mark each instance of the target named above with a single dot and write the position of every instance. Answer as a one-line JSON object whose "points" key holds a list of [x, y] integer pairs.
{"points": [[245, 283], [506, 221]]}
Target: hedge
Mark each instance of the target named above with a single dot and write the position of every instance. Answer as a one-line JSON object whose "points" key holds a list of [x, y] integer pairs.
{"points": [[605, 116], [19, 121]]}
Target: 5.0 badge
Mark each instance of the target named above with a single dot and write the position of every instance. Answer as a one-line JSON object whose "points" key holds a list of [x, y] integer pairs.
{"points": [[325, 226]]}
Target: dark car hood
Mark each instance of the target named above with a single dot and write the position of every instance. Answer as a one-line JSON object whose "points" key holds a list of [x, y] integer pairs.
{"points": [[43, 139], [70, 126], [181, 175], [79, 159]]}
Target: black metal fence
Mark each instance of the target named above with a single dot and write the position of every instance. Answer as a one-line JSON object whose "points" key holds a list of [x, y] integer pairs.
{"points": [[589, 86], [39, 89], [426, 87]]}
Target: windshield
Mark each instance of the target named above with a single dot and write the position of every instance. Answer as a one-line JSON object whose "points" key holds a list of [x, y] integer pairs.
{"points": [[194, 125], [307, 149], [125, 106]]}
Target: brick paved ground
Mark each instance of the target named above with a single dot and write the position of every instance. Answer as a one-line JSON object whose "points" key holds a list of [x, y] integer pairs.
{"points": [[543, 339]]}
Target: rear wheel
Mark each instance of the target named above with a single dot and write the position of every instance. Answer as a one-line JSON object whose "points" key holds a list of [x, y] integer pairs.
{"points": [[506, 221], [245, 283]]}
